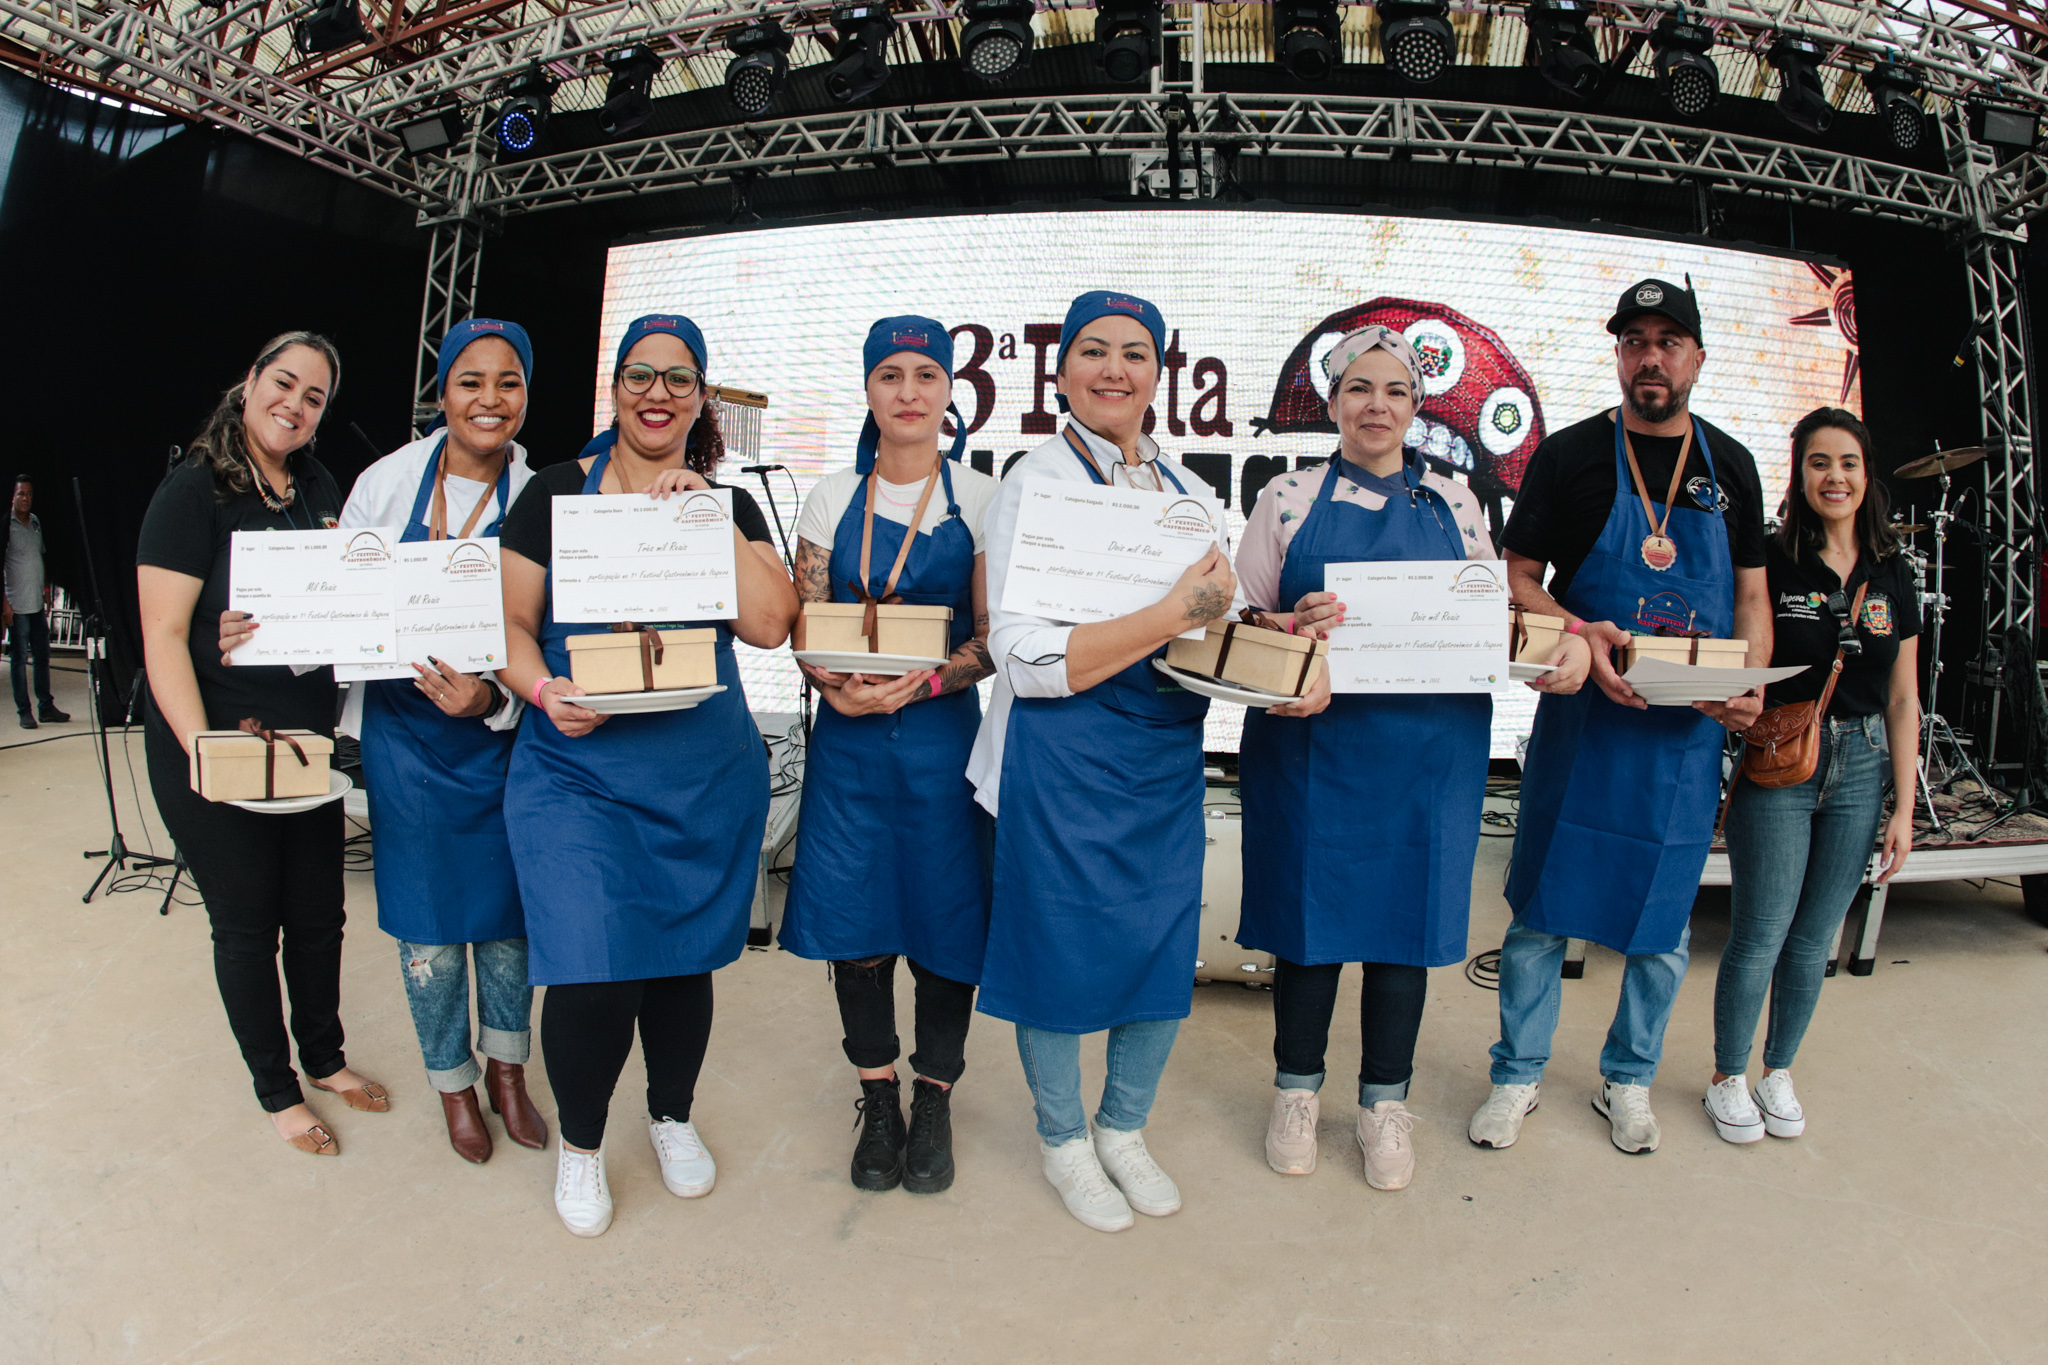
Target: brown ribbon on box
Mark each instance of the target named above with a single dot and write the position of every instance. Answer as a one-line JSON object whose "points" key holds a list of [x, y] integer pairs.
{"points": [[1256, 622], [650, 650], [253, 726], [870, 627]]}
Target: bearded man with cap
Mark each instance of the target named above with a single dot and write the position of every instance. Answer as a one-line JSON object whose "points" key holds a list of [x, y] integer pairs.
{"points": [[1650, 518], [1092, 763], [891, 863]]}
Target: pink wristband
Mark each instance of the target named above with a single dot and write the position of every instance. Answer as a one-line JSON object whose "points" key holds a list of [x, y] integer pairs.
{"points": [[936, 685], [545, 680], [1573, 628]]}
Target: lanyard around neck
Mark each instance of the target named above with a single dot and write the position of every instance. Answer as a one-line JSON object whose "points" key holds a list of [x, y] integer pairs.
{"points": [[867, 539], [1642, 490], [437, 515]]}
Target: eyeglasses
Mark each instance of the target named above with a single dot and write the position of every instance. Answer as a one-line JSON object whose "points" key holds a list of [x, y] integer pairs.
{"points": [[1838, 603], [680, 381]]}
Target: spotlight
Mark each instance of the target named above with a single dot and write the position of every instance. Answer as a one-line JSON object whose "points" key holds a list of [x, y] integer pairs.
{"points": [[2012, 130], [1416, 39], [436, 133], [522, 121], [1893, 89], [1305, 38], [629, 94], [996, 43], [1800, 98], [1126, 39], [759, 67], [862, 62], [1686, 77], [328, 25], [1565, 54]]}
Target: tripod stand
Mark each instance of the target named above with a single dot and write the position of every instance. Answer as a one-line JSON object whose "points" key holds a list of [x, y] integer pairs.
{"points": [[116, 852], [1943, 760]]}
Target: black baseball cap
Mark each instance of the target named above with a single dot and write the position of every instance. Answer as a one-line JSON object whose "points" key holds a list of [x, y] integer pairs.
{"points": [[1661, 297]]}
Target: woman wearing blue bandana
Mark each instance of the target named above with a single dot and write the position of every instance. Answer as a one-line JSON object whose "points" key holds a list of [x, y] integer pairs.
{"points": [[436, 743], [890, 864], [637, 838], [1092, 763]]}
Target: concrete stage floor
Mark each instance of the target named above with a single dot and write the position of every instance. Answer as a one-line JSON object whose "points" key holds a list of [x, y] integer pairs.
{"points": [[151, 1214]]}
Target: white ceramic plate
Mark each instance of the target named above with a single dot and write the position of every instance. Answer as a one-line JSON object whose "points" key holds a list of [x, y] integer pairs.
{"points": [[631, 703], [338, 785], [874, 665], [1221, 691], [1674, 694], [1527, 672]]}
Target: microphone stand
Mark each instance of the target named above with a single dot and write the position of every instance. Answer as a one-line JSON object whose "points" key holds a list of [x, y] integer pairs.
{"points": [[762, 471]]}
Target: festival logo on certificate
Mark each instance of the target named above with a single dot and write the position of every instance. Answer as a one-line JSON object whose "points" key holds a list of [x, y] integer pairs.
{"points": [[700, 510], [1187, 519], [470, 560], [366, 547]]}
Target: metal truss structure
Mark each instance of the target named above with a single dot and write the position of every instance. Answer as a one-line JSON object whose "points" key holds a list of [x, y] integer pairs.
{"points": [[455, 253]]}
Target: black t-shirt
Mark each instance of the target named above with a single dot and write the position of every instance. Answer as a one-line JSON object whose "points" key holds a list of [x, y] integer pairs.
{"points": [[529, 527], [188, 530], [1809, 633], [1568, 493]]}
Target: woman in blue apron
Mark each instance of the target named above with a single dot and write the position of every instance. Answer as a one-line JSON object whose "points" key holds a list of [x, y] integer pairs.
{"points": [[889, 856], [1092, 762], [436, 745], [637, 837]]}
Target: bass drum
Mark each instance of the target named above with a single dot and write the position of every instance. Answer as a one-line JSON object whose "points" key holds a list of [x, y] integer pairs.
{"points": [[1217, 954]]}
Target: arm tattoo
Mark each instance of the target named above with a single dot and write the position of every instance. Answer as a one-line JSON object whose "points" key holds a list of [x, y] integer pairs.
{"points": [[813, 572], [969, 665], [1205, 604]]}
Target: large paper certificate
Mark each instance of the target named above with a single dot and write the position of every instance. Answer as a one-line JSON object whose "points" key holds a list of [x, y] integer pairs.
{"points": [[449, 604], [1084, 552], [1432, 625], [321, 597], [635, 558]]}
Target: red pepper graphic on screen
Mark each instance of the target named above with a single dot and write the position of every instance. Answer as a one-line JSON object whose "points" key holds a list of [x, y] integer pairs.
{"points": [[1473, 386]]}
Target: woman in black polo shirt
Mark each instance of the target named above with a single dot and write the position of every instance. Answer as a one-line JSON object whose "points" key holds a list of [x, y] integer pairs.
{"points": [[1798, 853]]}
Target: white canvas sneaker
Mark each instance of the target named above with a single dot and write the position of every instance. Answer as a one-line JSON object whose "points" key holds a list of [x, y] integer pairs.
{"points": [[1782, 1115], [1383, 1135], [686, 1166], [1626, 1108], [1498, 1122], [582, 1196], [1076, 1172], [1735, 1118], [1124, 1158], [1291, 1132]]}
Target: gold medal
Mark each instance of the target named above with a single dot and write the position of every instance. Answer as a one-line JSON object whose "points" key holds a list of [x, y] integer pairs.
{"points": [[1659, 552]]}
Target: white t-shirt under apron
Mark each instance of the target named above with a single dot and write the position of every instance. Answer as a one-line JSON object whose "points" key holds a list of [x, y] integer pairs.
{"points": [[831, 495]]}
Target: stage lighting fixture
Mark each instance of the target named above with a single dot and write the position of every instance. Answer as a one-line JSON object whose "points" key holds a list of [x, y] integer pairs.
{"points": [[1126, 39], [862, 61], [1565, 54], [330, 24], [1686, 77], [1417, 39], [2013, 130], [435, 133], [522, 121], [1800, 97], [1305, 38], [759, 67], [996, 42], [629, 94], [1893, 89]]}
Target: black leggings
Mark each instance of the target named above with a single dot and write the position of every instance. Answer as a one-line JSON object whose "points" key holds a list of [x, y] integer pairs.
{"points": [[867, 1011], [586, 1032], [1389, 1018], [263, 875]]}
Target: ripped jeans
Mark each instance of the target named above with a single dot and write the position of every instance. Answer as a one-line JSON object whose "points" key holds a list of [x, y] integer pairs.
{"points": [[437, 989]]}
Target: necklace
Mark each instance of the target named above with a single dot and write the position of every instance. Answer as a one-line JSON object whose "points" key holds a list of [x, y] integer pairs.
{"points": [[273, 502]]}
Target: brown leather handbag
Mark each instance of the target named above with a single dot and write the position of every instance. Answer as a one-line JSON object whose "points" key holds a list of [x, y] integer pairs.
{"points": [[1783, 747]]}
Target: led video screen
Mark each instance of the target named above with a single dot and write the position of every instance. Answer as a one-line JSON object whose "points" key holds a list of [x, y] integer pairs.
{"points": [[1509, 321]]}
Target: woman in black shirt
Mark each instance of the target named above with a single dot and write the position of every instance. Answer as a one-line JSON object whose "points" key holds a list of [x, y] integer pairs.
{"points": [[1797, 854], [251, 470]]}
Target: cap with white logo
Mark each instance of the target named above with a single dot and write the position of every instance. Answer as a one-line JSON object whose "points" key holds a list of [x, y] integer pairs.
{"points": [[1659, 297]]}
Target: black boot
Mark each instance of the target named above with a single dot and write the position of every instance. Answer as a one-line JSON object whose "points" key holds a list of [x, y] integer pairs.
{"points": [[878, 1156], [928, 1155]]}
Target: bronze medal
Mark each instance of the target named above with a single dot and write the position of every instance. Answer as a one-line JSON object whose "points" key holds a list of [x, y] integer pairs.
{"points": [[1659, 552]]}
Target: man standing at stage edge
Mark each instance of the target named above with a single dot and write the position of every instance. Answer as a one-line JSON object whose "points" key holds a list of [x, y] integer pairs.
{"points": [[25, 608], [1652, 521]]}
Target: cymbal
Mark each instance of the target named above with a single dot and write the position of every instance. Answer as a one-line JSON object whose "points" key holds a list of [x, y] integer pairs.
{"points": [[1940, 462]]}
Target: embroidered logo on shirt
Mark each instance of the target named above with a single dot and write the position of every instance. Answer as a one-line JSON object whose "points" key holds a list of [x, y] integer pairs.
{"points": [[1666, 611], [1877, 615], [1700, 487], [1799, 606]]}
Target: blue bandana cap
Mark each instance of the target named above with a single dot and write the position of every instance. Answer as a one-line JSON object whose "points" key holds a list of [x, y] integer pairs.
{"points": [[1102, 303], [675, 325], [922, 336], [463, 334]]}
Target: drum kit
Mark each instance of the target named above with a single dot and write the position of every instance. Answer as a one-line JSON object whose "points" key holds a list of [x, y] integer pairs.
{"points": [[1943, 759]]}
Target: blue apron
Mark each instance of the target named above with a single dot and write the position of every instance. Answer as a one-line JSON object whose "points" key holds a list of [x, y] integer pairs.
{"points": [[1098, 854], [1361, 822], [437, 796], [888, 859], [1618, 804], [637, 845]]}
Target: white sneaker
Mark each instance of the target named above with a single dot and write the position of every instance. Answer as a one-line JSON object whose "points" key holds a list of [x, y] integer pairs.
{"points": [[1125, 1160], [1291, 1132], [1383, 1135], [1782, 1115], [1626, 1108], [582, 1197], [1076, 1172], [1735, 1118], [686, 1167], [1498, 1122]]}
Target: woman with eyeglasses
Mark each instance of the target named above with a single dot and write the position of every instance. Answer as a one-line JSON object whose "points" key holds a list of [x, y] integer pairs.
{"points": [[637, 838], [1797, 854]]}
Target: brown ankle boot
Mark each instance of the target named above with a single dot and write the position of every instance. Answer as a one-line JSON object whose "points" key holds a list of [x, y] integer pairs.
{"points": [[466, 1131], [506, 1085]]}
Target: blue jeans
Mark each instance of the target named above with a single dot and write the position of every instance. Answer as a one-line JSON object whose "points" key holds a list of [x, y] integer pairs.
{"points": [[1796, 855], [29, 639], [437, 989], [1531, 994], [1052, 1068]]}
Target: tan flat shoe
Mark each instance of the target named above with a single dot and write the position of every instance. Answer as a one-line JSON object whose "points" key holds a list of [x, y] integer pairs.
{"points": [[371, 1098], [316, 1140]]}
